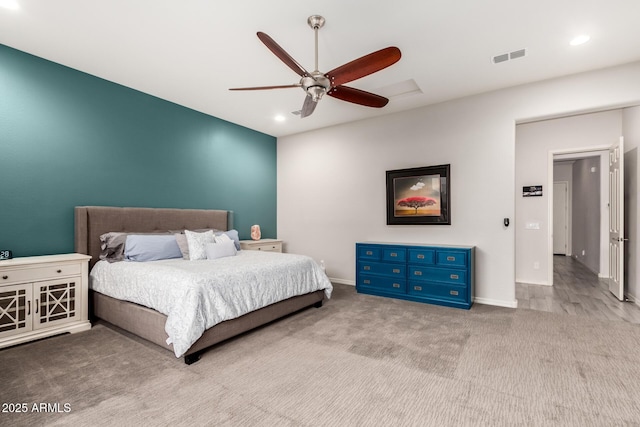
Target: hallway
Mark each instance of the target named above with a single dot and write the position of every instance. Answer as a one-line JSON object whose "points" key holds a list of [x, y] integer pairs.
{"points": [[576, 291]]}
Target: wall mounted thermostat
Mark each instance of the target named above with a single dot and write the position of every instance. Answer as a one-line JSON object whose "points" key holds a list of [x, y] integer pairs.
{"points": [[5, 254]]}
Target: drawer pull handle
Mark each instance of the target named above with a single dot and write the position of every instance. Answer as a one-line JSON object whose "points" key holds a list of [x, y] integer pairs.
{"points": [[454, 276], [417, 288], [453, 292], [5, 277], [369, 252], [396, 270], [28, 308], [451, 258], [396, 285], [417, 273], [366, 282], [420, 256], [58, 271], [36, 306], [393, 254], [367, 267]]}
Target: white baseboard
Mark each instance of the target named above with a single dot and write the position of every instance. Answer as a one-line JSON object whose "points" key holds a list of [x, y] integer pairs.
{"points": [[342, 281], [498, 303], [532, 282]]}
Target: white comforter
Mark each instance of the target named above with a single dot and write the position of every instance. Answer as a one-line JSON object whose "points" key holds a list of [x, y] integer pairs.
{"points": [[196, 295]]}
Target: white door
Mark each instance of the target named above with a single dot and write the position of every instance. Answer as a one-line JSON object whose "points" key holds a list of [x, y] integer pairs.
{"points": [[560, 217], [616, 219]]}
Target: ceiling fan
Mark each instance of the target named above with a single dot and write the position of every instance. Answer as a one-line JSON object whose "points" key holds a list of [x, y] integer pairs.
{"points": [[316, 84]]}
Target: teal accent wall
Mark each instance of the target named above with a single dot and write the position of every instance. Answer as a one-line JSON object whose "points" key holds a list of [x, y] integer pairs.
{"points": [[69, 139]]}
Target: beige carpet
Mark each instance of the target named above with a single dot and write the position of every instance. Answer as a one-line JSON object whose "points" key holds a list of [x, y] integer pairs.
{"points": [[359, 360]]}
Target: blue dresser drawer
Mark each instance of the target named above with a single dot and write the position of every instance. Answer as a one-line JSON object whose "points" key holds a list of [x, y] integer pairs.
{"points": [[422, 256], [452, 258], [386, 284], [393, 270], [443, 275], [394, 254], [373, 253], [439, 291]]}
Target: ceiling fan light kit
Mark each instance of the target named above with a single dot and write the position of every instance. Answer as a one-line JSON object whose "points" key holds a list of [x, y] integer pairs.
{"points": [[316, 84]]}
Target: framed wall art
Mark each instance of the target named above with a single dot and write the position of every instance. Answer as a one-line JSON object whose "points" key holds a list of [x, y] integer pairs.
{"points": [[419, 196]]}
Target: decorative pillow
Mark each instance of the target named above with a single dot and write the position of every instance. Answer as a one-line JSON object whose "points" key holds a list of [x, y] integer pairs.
{"points": [[233, 234], [221, 249], [112, 246], [151, 247], [181, 240], [221, 238], [197, 243]]}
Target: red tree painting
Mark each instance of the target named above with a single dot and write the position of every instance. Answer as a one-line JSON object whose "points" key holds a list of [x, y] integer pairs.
{"points": [[416, 202]]}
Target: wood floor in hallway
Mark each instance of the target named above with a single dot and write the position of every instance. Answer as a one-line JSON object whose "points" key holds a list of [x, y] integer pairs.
{"points": [[576, 291]]}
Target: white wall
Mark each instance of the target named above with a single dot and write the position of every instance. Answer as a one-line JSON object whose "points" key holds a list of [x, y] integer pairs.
{"points": [[331, 182], [534, 143], [631, 132]]}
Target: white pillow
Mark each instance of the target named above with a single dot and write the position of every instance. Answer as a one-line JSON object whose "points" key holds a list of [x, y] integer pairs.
{"points": [[220, 250], [222, 238], [197, 243]]}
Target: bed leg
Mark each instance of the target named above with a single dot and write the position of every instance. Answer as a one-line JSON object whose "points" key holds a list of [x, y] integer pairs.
{"points": [[318, 304], [192, 358]]}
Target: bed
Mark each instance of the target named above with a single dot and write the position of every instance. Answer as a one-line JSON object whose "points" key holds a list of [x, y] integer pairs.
{"points": [[93, 221]]}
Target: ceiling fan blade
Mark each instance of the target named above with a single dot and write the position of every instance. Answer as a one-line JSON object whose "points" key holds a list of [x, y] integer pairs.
{"points": [[364, 66], [308, 107], [282, 54], [266, 87], [358, 96]]}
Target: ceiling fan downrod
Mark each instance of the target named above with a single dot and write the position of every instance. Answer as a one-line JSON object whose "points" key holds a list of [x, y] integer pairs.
{"points": [[317, 84]]}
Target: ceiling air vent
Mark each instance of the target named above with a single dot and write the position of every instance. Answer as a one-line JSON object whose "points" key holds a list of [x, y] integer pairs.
{"points": [[508, 56]]}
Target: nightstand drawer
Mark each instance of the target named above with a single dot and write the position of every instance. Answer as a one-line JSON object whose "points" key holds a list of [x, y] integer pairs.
{"points": [[439, 291], [386, 284], [444, 275], [264, 245], [393, 270], [39, 273], [452, 259]]}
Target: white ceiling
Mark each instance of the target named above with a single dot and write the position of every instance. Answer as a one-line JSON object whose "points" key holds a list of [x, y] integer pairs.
{"points": [[190, 52]]}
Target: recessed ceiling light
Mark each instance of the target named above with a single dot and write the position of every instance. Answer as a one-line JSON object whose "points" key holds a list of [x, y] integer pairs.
{"points": [[279, 118], [581, 39], [9, 4]]}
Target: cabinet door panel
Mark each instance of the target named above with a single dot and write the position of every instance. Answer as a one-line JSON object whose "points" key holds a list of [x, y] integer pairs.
{"points": [[56, 302], [15, 309]]}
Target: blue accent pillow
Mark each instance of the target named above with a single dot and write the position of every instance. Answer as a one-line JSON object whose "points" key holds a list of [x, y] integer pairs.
{"points": [[151, 247]]}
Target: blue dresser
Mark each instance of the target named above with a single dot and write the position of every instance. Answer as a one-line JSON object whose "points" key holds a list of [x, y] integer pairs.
{"points": [[441, 275]]}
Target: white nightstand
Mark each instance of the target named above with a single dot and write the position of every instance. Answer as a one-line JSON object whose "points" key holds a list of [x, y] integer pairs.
{"points": [[43, 296], [270, 245]]}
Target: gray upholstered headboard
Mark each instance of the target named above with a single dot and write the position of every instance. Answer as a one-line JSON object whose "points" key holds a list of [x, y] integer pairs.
{"points": [[93, 221]]}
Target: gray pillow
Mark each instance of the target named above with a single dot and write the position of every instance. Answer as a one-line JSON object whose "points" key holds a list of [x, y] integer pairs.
{"points": [[151, 247], [112, 246]]}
